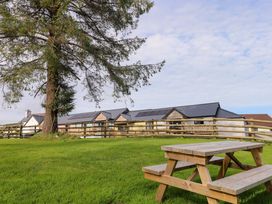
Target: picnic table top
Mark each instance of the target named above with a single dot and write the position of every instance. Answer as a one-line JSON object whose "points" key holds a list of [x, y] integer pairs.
{"points": [[211, 148]]}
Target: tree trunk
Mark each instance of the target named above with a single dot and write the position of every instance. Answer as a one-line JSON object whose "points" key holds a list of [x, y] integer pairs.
{"points": [[51, 113]]}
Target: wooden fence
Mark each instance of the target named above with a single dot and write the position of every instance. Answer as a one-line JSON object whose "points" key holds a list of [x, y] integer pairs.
{"points": [[18, 131], [200, 127]]}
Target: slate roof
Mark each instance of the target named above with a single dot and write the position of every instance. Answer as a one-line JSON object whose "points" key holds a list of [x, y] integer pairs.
{"points": [[38, 118], [148, 114], [222, 113], [77, 118], [199, 110], [90, 116], [190, 111]]}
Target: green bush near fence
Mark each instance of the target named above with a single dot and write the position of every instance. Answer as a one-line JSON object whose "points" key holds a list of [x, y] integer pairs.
{"points": [[102, 171]]}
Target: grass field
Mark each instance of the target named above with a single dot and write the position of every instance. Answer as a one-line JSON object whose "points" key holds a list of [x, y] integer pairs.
{"points": [[104, 171]]}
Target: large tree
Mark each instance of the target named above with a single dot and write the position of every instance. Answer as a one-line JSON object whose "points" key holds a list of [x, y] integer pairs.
{"points": [[46, 46]]}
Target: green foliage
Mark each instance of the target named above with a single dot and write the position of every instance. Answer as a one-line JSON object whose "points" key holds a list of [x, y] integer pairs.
{"points": [[65, 100], [79, 40], [97, 171]]}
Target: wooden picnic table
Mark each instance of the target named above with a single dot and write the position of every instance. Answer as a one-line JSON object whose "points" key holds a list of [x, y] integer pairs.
{"points": [[199, 155]]}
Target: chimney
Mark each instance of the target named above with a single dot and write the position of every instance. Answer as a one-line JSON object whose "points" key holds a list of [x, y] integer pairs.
{"points": [[28, 113]]}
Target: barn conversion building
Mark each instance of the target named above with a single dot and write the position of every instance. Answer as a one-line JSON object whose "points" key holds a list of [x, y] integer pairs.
{"points": [[139, 119]]}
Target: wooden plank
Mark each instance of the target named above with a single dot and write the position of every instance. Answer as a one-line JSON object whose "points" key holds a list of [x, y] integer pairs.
{"points": [[187, 158], [241, 182], [257, 157], [256, 153], [192, 187], [236, 161], [205, 179], [196, 148], [193, 175], [211, 148], [224, 167], [222, 147], [171, 164], [159, 169]]}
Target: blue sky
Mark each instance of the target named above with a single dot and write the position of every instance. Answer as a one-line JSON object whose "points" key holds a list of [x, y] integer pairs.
{"points": [[214, 51]]}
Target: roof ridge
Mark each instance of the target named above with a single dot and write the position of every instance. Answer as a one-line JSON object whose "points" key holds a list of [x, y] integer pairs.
{"points": [[199, 104], [168, 107], [99, 111]]}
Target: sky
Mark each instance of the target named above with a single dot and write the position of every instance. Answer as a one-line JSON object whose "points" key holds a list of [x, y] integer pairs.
{"points": [[215, 51]]}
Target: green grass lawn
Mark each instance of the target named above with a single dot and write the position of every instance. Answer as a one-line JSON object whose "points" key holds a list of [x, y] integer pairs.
{"points": [[103, 171]]}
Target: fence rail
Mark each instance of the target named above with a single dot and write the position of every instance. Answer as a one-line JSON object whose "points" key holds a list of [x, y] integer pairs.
{"points": [[18, 131], [200, 127]]}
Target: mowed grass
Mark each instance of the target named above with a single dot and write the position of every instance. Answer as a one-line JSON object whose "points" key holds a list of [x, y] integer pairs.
{"points": [[104, 171]]}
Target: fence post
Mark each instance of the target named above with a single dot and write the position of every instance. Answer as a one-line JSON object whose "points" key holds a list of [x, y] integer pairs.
{"points": [[21, 131], [107, 129], [104, 129], [8, 132], [251, 129], [215, 129], [127, 129], [84, 130]]}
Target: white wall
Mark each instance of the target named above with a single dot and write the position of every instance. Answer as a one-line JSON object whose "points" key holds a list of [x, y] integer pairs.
{"points": [[238, 123], [162, 123], [27, 127]]}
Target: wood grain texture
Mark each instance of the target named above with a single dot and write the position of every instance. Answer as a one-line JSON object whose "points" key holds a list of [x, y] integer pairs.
{"points": [[241, 182], [188, 158], [193, 175], [205, 179], [211, 148], [171, 164], [256, 153], [192, 186], [236, 161], [181, 165], [224, 167]]}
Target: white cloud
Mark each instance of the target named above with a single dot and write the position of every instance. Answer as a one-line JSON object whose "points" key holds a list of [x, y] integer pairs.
{"points": [[214, 51]]}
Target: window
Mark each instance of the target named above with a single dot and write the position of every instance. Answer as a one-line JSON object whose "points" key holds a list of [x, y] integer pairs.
{"points": [[89, 125], [111, 125], [122, 128], [175, 125], [199, 122], [99, 124], [149, 125]]}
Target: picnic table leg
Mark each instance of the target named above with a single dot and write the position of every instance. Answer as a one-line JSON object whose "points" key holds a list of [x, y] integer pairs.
{"points": [[193, 175], [206, 178], [256, 153], [171, 164], [224, 167]]}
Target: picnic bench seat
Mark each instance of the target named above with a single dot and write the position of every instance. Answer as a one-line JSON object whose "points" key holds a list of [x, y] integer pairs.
{"points": [[241, 182], [159, 169]]}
